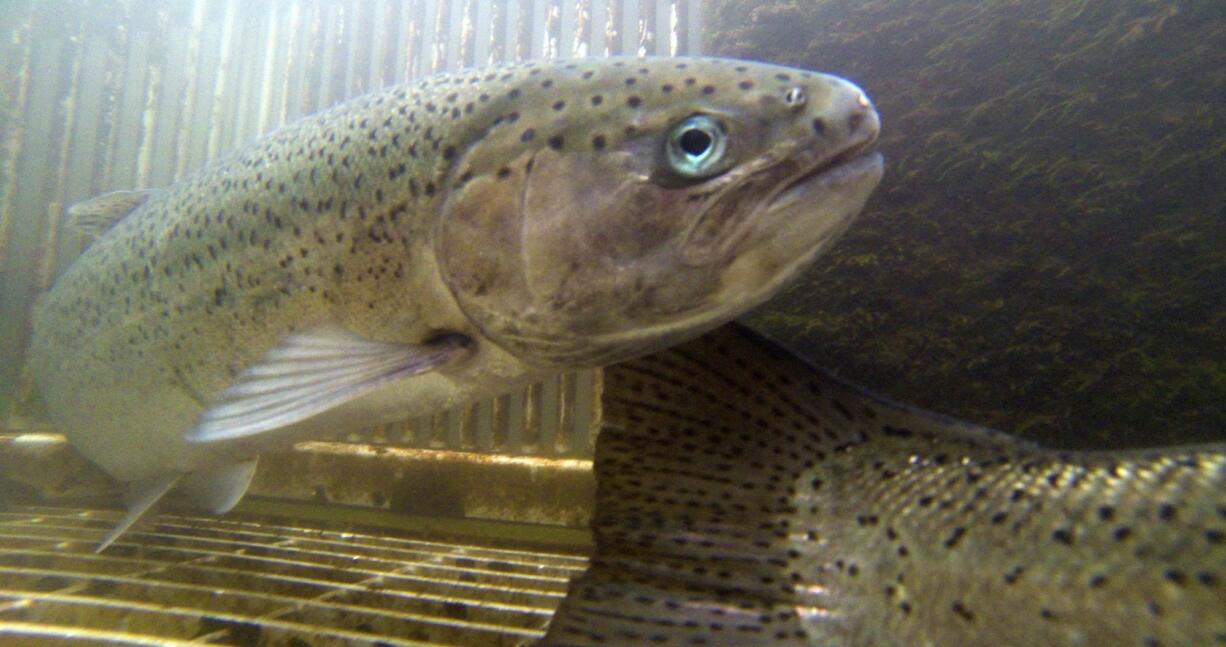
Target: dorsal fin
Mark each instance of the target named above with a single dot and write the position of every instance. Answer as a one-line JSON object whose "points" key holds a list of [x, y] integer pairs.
{"points": [[96, 215]]}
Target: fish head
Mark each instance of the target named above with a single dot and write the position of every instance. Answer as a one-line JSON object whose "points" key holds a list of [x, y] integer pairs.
{"points": [[614, 208]]}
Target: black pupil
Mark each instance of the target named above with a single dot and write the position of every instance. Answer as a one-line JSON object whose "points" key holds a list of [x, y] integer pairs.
{"points": [[695, 142]]}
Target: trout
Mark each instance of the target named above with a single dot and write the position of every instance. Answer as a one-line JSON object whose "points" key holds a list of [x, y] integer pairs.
{"points": [[436, 243], [746, 498]]}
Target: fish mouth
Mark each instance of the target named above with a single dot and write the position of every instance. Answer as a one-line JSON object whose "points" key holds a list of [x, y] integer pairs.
{"points": [[849, 165], [805, 182]]}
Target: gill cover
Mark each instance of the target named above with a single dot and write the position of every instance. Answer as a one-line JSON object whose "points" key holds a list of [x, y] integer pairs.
{"points": [[679, 194]]}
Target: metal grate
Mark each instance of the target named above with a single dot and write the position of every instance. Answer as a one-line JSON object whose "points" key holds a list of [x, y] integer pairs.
{"points": [[246, 580]]}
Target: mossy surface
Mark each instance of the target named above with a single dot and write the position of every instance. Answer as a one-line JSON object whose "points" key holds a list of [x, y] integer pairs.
{"points": [[1047, 251]]}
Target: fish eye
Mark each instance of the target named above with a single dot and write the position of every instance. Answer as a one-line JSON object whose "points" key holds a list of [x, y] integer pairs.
{"points": [[697, 147]]}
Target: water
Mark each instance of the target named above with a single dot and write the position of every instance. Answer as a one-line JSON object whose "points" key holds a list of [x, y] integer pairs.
{"points": [[1047, 249], [1044, 256]]}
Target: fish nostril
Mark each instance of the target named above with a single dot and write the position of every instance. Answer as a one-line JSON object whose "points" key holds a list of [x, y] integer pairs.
{"points": [[854, 121], [795, 97], [819, 126]]}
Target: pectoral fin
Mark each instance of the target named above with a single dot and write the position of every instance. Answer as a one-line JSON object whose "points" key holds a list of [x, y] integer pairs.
{"points": [[311, 373], [96, 215], [219, 489], [141, 497]]}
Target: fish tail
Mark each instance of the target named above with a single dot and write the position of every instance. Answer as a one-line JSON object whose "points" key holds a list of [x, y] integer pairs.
{"points": [[689, 546]]}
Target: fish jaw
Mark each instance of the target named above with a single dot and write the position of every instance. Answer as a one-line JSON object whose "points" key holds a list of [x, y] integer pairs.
{"points": [[584, 254]]}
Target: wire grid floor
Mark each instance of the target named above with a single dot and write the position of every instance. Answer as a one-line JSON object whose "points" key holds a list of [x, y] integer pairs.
{"points": [[202, 580]]}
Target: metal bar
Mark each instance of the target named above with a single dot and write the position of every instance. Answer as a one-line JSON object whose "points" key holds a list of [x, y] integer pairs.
{"points": [[483, 24], [29, 204], [329, 18], [510, 27], [169, 99], [131, 110], [567, 15], [225, 94], [273, 75], [662, 28], [691, 43], [352, 36], [12, 122], [483, 426], [83, 169], [550, 414], [515, 422], [454, 30], [538, 29], [429, 30], [584, 412], [599, 28], [301, 32], [203, 116], [250, 59], [375, 78], [628, 28]]}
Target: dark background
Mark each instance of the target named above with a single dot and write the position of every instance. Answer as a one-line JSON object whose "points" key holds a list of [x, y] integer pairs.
{"points": [[1047, 252]]}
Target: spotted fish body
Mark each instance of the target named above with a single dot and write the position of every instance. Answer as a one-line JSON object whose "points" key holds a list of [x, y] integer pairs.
{"points": [[746, 498], [436, 243]]}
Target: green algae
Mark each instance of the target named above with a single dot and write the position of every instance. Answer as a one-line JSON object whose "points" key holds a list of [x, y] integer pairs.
{"points": [[1047, 251]]}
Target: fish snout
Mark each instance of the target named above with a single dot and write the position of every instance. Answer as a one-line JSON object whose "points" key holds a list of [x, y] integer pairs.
{"points": [[848, 122]]}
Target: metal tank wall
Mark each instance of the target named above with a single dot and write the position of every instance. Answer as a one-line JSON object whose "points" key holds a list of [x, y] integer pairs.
{"points": [[100, 95]]}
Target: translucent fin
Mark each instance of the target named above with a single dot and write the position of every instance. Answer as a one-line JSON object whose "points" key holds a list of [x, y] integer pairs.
{"points": [[219, 489], [96, 215], [311, 373], [141, 497]]}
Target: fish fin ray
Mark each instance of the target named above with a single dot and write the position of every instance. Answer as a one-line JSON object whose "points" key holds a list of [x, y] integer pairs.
{"points": [[310, 373], [142, 495], [219, 489], [94, 216]]}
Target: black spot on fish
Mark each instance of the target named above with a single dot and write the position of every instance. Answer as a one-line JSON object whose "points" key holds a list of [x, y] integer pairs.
{"points": [[962, 611], [954, 537], [597, 100], [1063, 535], [634, 101], [598, 142], [556, 142]]}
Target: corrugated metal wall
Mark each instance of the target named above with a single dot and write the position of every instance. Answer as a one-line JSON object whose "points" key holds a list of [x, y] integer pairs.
{"points": [[98, 95]]}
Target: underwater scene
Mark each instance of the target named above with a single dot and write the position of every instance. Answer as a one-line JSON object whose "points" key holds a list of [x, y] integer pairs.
{"points": [[580, 322]]}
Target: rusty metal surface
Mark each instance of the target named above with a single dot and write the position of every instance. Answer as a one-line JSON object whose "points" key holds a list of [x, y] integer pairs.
{"points": [[260, 581], [40, 466]]}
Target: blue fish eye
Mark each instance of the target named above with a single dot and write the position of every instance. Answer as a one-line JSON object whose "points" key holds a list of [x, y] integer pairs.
{"points": [[697, 147]]}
